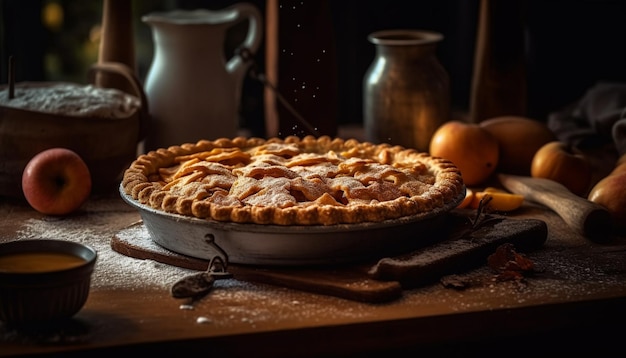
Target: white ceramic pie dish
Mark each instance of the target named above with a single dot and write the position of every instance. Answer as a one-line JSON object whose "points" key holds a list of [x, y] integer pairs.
{"points": [[275, 245]]}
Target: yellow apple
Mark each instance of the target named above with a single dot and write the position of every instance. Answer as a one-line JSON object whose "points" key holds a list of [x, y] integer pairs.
{"points": [[560, 162], [56, 181]]}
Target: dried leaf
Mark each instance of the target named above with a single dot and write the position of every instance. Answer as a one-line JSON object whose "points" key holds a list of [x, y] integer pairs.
{"points": [[509, 264]]}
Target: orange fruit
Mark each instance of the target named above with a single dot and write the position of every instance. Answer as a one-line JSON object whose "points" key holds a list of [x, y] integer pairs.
{"points": [[469, 196], [491, 189], [500, 200], [519, 138], [470, 147]]}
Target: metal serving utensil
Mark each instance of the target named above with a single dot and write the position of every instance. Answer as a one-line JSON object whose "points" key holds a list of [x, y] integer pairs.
{"points": [[199, 284]]}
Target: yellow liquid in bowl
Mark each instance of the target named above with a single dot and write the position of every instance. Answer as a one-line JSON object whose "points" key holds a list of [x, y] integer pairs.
{"points": [[28, 262]]}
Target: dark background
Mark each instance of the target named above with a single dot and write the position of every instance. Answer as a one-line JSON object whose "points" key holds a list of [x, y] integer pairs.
{"points": [[571, 45]]}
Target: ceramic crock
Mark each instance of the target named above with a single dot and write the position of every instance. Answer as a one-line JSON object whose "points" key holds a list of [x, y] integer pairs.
{"points": [[405, 89]]}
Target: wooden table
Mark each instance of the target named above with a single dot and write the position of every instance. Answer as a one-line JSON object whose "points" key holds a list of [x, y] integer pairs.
{"points": [[575, 303]]}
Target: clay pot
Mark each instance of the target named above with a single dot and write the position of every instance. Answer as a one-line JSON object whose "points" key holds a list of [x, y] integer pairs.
{"points": [[107, 145], [406, 89]]}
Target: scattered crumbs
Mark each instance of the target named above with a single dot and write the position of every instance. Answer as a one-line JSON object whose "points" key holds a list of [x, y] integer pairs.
{"points": [[455, 282], [203, 320]]}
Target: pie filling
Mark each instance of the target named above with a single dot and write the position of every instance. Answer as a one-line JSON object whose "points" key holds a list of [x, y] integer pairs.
{"points": [[292, 181]]}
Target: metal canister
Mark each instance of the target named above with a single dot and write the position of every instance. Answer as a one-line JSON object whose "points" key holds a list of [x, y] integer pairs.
{"points": [[406, 94]]}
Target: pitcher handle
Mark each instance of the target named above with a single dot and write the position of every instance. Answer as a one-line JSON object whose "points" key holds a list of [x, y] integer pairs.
{"points": [[246, 11], [126, 72]]}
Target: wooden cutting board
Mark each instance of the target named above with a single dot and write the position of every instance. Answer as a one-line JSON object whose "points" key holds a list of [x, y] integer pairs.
{"points": [[463, 246]]}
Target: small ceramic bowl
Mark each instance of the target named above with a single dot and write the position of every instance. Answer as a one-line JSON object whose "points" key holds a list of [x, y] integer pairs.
{"points": [[43, 280]]}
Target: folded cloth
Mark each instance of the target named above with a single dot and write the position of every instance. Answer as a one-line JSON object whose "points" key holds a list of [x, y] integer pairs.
{"points": [[597, 119]]}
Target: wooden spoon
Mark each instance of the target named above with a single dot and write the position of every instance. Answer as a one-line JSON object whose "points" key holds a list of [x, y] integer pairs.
{"points": [[585, 217]]}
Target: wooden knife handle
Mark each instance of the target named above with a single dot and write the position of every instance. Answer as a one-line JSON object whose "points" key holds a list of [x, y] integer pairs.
{"points": [[585, 217]]}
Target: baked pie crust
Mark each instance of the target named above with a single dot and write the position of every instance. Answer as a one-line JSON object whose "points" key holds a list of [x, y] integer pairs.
{"points": [[292, 181]]}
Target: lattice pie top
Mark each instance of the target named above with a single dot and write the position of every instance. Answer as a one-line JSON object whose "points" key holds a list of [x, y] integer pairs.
{"points": [[295, 181]]}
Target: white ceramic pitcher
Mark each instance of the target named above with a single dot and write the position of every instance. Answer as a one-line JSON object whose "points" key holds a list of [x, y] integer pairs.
{"points": [[193, 90]]}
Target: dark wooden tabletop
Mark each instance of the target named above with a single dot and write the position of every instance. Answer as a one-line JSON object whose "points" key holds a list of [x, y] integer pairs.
{"points": [[576, 302]]}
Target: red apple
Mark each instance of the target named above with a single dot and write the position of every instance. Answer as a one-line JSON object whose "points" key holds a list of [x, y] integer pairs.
{"points": [[56, 181], [564, 164]]}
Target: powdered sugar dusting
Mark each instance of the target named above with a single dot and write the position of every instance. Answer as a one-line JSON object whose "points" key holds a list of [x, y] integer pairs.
{"points": [[113, 270], [564, 273], [230, 301]]}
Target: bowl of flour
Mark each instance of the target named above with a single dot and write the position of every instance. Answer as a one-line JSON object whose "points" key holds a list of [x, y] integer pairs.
{"points": [[103, 125]]}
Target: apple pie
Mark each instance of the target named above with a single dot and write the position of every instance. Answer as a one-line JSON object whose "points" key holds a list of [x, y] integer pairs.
{"points": [[292, 181]]}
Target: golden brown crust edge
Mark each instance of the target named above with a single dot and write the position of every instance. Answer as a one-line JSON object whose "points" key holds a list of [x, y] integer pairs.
{"points": [[447, 188]]}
